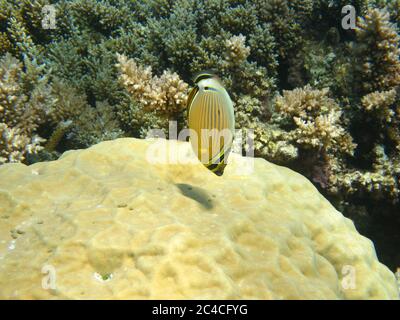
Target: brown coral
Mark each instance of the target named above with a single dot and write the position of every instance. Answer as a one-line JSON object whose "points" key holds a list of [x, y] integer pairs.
{"points": [[379, 172], [380, 103], [269, 141], [380, 182], [378, 47], [14, 144], [21, 110], [166, 93], [315, 119]]}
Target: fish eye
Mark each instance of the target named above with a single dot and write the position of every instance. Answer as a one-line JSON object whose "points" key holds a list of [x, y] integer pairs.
{"points": [[206, 88]]}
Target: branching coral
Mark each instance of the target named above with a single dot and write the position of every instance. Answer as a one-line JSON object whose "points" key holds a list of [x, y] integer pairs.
{"points": [[14, 144], [315, 120], [86, 63], [95, 125], [378, 47], [322, 64], [270, 141], [22, 24], [166, 93], [327, 13], [380, 103], [25, 102], [236, 50], [100, 15], [263, 49], [379, 149], [137, 121], [379, 183], [281, 17], [392, 6], [69, 103], [28, 100]]}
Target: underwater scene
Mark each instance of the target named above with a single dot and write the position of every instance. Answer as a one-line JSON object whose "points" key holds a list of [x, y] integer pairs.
{"points": [[200, 149]]}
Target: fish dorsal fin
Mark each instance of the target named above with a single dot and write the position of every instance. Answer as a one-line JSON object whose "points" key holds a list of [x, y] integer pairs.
{"points": [[203, 75], [191, 96]]}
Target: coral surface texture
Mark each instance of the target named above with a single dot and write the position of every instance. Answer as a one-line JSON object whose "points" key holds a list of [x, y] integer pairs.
{"points": [[111, 222]]}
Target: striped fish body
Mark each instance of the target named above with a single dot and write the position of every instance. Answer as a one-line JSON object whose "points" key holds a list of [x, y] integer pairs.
{"points": [[211, 122]]}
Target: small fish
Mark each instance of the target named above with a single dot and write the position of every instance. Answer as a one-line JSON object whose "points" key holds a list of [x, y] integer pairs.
{"points": [[211, 119]]}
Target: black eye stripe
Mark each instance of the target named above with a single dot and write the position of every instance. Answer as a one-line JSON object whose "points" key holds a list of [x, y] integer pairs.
{"points": [[210, 89], [202, 77]]}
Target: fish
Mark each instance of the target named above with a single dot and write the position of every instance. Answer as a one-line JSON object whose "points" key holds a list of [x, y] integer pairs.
{"points": [[211, 121]]}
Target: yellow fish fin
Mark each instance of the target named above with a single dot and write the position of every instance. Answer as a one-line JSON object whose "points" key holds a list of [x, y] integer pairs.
{"points": [[192, 94]]}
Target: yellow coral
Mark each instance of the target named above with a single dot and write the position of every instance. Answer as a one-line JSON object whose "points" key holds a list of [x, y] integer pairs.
{"points": [[98, 222]]}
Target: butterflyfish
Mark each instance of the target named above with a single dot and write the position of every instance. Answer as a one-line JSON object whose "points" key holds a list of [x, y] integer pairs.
{"points": [[211, 121]]}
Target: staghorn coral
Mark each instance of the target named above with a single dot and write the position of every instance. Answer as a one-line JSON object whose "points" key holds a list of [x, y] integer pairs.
{"points": [[326, 13], [25, 102], [281, 17], [323, 64], [263, 49], [172, 34], [315, 120], [197, 31], [380, 103], [28, 102], [236, 50], [69, 103], [5, 44], [166, 93], [87, 63], [303, 10], [239, 18], [380, 182], [22, 24], [137, 121], [103, 16], [173, 38], [95, 125], [392, 6], [378, 48], [14, 144], [154, 99], [380, 147], [270, 141], [22, 41]]}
